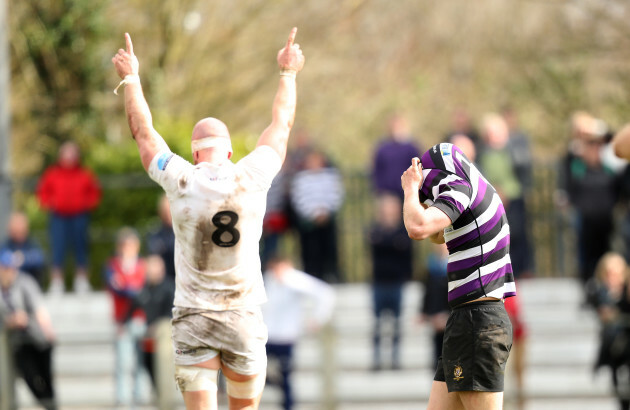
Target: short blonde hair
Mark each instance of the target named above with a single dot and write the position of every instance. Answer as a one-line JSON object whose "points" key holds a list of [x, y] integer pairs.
{"points": [[610, 258]]}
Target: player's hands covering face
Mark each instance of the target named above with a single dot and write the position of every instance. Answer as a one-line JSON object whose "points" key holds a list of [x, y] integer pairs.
{"points": [[125, 61], [411, 179], [290, 57]]}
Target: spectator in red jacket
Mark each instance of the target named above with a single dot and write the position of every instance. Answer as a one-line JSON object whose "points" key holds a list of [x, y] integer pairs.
{"points": [[69, 191]]}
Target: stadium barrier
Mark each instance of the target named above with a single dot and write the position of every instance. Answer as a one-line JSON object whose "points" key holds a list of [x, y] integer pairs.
{"points": [[166, 391], [327, 340], [552, 230], [7, 376]]}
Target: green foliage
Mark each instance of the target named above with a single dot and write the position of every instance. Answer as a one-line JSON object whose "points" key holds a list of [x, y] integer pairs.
{"points": [[56, 56], [365, 60]]}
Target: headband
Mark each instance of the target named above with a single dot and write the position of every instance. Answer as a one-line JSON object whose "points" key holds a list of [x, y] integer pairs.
{"points": [[214, 141]]}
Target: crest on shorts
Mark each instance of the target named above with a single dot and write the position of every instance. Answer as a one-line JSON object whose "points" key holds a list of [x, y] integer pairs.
{"points": [[457, 373]]}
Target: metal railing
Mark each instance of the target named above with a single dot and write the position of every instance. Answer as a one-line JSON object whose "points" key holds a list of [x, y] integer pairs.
{"points": [[551, 232]]}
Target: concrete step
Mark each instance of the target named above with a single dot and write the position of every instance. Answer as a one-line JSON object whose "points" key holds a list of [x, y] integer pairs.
{"points": [[354, 387], [545, 302], [351, 354], [547, 292], [562, 346], [356, 354], [544, 404]]}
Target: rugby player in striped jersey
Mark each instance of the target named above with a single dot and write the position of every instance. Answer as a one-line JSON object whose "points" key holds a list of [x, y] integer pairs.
{"points": [[448, 200]]}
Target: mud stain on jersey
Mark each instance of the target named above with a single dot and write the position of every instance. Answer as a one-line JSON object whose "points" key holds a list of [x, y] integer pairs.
{"points": [[186, 213], [183, 182], [203, 244]]}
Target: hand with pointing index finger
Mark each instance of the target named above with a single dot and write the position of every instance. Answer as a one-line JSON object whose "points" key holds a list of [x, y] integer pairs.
{"points": [[290, 56], [411, 179], [125, 61]]}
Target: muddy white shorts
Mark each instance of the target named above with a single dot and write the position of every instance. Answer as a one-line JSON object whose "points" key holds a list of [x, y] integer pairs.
{"points": [[237, 336]]}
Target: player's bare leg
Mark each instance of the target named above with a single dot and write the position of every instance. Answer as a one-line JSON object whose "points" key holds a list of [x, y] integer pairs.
{"points": [[200, 400], [236, 403], [517, 359], [480, 400], [441, 399], [203, 399]]}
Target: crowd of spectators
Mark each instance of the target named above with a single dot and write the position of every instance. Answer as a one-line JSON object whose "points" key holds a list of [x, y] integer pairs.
{"points": [[304, 203]]}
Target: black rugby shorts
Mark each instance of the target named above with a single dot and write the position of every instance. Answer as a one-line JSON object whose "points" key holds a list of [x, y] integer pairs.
{"points": [[477, 343]]}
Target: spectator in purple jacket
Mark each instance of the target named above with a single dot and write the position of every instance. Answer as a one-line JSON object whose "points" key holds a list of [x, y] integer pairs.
{"points": [[392, 157]]}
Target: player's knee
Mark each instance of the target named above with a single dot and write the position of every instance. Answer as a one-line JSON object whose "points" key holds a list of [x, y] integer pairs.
{"points": [[194, 378], [249, 389]]}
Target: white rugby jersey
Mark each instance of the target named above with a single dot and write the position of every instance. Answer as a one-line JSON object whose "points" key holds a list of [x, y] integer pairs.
{"points": [[217, 216]]}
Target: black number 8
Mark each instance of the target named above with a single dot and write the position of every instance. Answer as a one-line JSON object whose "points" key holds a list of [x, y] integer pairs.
{"points": [[222, 227]]}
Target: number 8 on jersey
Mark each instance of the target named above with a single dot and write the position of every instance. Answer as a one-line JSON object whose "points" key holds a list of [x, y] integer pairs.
{"points": [[225, 221]]}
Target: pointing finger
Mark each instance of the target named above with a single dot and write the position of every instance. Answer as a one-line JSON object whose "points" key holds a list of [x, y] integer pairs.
{"points": [[415, 161], [129, 44], [291, 37]]}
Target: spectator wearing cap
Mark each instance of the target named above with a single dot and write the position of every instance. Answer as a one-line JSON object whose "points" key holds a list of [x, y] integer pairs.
{"points": [[28, 255], [31, 336]]}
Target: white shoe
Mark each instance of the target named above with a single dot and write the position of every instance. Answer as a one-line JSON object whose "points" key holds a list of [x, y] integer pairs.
{"points": [[56, 287], [81, 285]]}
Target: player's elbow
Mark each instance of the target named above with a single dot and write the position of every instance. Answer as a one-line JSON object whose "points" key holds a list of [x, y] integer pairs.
{"points": [[138, 132], [417, 233], [620, 150], [282, 123], [139, 129]]}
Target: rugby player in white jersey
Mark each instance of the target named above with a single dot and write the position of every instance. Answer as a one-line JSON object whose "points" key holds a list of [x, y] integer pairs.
{"points": [[217, 208]]}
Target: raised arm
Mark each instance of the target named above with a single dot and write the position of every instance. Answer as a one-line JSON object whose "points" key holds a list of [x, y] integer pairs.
{"points": [[621, 143], [138, 113], [420, 223], [291, 61]]}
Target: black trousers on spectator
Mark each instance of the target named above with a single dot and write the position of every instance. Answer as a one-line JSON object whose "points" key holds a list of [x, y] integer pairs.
{"points": [[319, 250], [521, 253], [148, 361], [593, 242], [35, 367], [283, 353]]}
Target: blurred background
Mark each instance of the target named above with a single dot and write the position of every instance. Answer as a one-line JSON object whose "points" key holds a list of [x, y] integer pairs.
{"points": [[410, 73]]}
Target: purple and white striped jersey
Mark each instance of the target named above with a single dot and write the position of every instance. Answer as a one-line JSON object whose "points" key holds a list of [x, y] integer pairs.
{"points": [[478, 240]]}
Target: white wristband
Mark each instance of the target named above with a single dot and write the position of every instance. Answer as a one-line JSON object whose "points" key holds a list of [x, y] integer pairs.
{"points": [[129, 79], [287, 72]]}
